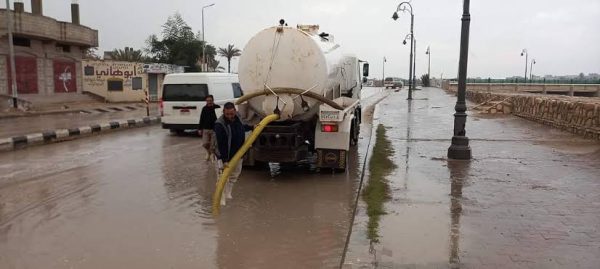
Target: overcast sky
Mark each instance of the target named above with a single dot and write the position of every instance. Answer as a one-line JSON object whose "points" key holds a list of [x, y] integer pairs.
{"points": [[563, 36]]}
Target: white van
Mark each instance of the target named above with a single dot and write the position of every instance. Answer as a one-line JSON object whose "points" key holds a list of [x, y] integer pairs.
{"points": [[183, 97]]}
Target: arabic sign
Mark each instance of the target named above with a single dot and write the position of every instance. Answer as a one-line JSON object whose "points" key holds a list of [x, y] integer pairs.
{"points": [[123, 70], [96, 74], [65, 77], [162, 68]]}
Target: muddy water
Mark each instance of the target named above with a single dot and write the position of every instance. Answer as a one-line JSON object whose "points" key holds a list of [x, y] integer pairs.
{"points": [[142, 199]]}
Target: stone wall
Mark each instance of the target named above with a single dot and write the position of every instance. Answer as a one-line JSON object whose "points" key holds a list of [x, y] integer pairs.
{"points": [[579, 115], [565, 89]]}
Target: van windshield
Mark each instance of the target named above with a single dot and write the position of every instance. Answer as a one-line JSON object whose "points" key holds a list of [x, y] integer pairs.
{"points": [[185, 92]]}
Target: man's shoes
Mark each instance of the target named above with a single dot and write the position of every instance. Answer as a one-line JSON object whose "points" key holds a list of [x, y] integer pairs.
{"points": [[229, 190], [223, 200]]}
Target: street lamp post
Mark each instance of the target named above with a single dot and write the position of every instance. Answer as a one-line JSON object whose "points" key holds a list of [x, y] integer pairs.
{"points": [[524, 52], [531, 70], [428, 52], [414, 72], [460, 149], [404, 7], [203, 40], [411, 69], [383, 75], [11, 52]]}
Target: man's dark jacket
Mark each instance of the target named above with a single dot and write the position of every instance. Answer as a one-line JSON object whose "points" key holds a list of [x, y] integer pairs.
{"points": [[230, 137], [208, 117]]}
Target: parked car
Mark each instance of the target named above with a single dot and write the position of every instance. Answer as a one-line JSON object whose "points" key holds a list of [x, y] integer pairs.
{"points": [[392, 82], [183, 97]]}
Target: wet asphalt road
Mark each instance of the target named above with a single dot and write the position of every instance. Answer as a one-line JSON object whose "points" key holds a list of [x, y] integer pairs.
{"points": [[142, 199]]}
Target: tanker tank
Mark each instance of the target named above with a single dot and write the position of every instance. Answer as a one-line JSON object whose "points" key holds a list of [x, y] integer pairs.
{"points": [[290, 58]]}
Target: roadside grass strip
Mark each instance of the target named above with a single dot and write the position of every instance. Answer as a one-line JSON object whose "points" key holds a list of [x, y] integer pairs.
{"points": [[377, 190]]}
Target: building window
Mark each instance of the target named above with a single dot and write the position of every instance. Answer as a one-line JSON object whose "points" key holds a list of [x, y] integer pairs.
{"points": [[88, 70], [136, 83], [22, 42], [115, 85], [63, 48]]}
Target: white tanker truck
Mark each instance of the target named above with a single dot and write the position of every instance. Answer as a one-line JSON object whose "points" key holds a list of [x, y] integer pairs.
{"points": [[303, 76]]}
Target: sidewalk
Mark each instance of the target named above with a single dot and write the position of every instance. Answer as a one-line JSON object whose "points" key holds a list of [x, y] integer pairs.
{"points": [[528, 199], [91, 114]]}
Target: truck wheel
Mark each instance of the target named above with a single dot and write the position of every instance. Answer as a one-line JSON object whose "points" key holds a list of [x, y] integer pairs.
{"points": [[354, 129], [342, 170]]}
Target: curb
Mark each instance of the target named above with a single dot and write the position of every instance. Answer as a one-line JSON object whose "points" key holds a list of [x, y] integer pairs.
{"points": [[34, 114], [59, 135], [105, 109]]}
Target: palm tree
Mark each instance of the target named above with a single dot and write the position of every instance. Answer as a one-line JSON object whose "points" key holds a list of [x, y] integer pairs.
{"points": [[229, 53], [128, 55], [214, 65]]}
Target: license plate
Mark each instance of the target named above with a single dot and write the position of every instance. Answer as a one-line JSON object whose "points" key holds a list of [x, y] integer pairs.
{"points": [[329, 115], [184, 113]]}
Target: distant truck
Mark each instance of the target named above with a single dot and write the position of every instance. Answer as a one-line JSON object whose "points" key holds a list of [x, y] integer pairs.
{"points": [[392, 82], [303, 76]]}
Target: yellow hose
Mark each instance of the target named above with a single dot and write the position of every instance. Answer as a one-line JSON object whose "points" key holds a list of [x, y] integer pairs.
{"points": [[236, 158]]}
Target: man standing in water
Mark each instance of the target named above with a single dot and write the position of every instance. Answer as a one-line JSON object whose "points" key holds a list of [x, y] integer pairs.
{"points": [[207, 125], [231, 134]]}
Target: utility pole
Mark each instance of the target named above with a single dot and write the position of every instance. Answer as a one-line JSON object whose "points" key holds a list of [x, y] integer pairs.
{"points": [[531, 70], [11, 52], [428, 52], [204, 41], [383, 76], [414, 67]]}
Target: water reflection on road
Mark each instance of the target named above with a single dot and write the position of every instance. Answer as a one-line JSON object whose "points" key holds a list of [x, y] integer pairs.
{"points": [[142, 199]]}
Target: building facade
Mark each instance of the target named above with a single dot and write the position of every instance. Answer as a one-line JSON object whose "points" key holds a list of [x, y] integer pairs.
{"points": [[116, 81], [48, 53]]}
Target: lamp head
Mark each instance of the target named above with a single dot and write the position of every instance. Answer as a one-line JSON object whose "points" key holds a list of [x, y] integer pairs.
{"points": [[404, 42], [395, 16], [521, 54]]}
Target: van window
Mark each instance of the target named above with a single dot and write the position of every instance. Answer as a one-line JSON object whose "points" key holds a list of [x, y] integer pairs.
{"points": [[185, 92], [237, 90], [389, 79]]}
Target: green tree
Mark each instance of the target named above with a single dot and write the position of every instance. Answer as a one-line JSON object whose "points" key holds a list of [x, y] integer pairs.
{"points": [[214, 66], [128, 55], [229, 52], [91, 54], [178, 45], [425, 80]]}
